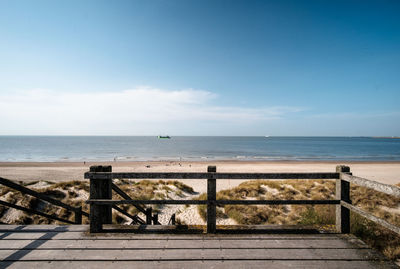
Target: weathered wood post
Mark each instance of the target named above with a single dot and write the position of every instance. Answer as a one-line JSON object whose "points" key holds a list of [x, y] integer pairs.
{"points": [[155, 219], [173, 220], [342, 194], [78, 215], [149, 217], [211, 200], [100, 188]]}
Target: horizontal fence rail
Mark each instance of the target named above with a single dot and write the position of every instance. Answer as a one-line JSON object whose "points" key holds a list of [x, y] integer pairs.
{"points": [[377, 186], [371, 217], [102, 176], [217, 202], [156, 175]]}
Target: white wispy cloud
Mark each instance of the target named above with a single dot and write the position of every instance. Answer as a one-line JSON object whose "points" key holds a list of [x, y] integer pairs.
{"points": [[356, 115], [143, 110]]}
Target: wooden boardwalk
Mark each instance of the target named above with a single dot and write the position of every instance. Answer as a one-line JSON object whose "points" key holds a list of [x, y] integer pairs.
{"points": [[51, 246]]}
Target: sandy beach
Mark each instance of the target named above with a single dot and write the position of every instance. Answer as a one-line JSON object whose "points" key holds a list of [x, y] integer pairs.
{"points": [[385, 172]]}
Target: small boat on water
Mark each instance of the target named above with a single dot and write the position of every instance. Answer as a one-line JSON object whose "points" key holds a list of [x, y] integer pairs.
{"points": [[164, 137]]}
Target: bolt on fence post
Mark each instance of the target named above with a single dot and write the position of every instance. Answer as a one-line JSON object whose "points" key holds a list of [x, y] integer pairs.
{"points": [[342, 194], [100, 188], [211, 200]]}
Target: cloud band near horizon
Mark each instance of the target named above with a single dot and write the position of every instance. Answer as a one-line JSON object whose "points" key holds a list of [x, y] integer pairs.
{"points": [[139, 111]]}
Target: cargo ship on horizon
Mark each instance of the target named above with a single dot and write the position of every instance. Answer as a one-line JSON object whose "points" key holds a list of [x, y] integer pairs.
{"points": [[164, 137]]}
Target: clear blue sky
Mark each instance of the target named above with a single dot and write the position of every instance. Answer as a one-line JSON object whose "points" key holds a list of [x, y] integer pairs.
{"points": [[200, 67]]}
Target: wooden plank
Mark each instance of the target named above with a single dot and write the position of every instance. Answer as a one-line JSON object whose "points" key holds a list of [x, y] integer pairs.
{"points": [[199, 229], [299, 254], [100, 244], [174, 175], [176, 244], [42, 227], [304, 243], [189, 254], [372, 218], [109, 255], [221, 264], [381, 187], [41, 235], [132, 236], [218, 202], [139, 237]]}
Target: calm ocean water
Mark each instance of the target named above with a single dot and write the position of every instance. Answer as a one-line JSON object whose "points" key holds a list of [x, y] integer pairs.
{"points": [[123, 148]]}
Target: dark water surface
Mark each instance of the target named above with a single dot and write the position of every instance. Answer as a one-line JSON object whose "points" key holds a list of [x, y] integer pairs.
{"points": [[106, 148]]}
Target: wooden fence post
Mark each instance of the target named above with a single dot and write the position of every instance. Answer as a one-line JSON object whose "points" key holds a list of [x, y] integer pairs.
{"points": [[343, 194], [149, 214], [78, 215], [211, 200], [155, 219], [100, 188]]}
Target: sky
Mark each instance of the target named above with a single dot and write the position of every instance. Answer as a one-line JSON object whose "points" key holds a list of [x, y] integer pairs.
{"points": [[197, 67]]}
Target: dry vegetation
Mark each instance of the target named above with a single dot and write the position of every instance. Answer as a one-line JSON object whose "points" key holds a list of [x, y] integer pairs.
{"points": [[381, 205], [278, 190], [75, 193]]}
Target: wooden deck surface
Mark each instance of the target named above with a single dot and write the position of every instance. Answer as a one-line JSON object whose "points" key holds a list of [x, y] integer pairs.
{"points": [[51, 246]]}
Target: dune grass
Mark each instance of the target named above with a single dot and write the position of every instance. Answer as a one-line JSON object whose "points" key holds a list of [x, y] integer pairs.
{"points": [[322, 216], [266, 190], [75, 193]]}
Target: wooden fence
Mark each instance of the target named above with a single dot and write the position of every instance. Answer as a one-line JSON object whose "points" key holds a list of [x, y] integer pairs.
{"points": [[101, 187], [77, 210]]}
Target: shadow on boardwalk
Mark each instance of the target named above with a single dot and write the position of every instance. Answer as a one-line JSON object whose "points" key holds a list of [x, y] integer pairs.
{"points": [[50, 246]]}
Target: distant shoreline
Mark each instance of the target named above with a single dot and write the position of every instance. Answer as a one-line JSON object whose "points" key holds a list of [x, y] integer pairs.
{"points": [[382, 171], [203, 149], [386, 137], [129, 162]]}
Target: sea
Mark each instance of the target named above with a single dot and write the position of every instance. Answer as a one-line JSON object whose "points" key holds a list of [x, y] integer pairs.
{"points": [[196, 148]]}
